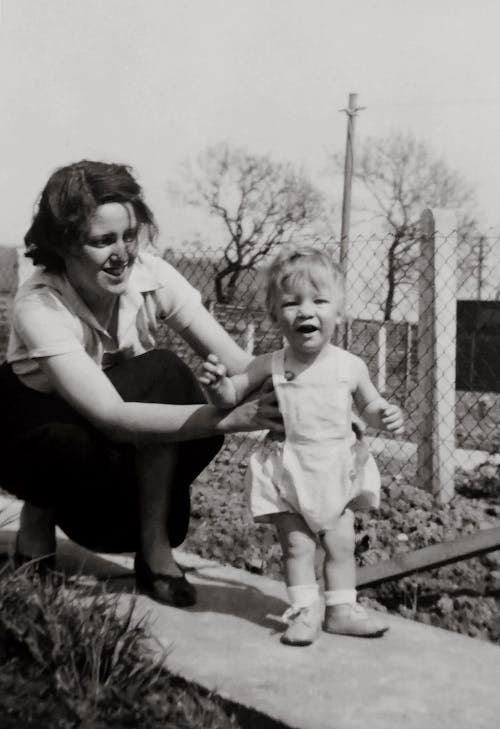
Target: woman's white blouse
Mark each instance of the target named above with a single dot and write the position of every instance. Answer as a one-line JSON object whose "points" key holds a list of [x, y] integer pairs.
{"points": [[50, 318]]}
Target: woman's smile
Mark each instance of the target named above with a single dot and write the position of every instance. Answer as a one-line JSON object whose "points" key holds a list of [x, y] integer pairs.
{"points": [[117, 269]]}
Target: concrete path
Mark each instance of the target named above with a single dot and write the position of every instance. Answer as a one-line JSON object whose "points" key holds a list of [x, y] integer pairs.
{"points": [[416, 677]]}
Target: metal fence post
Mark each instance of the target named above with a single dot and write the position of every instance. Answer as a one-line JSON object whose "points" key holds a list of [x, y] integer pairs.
{"points": [[381, 358], [436, 353], [408, 359], [249, 338]]}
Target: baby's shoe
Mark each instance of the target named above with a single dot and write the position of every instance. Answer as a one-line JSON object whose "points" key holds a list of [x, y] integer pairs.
{"points": [[304, 624], [352, 619]]}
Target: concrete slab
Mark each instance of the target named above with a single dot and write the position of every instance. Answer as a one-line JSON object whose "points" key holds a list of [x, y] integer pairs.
{"points": [[415, 677]]}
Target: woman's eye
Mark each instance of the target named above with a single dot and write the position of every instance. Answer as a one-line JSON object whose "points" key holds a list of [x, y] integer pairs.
{"points": [[130, 236], [103, 241]]}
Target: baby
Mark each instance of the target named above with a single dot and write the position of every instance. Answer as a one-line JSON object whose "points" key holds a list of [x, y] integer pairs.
{"points": [[308, 483]]}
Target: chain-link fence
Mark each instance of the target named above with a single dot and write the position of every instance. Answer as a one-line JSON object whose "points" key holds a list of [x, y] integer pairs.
{"points": [[405, 351], [435, 356]]}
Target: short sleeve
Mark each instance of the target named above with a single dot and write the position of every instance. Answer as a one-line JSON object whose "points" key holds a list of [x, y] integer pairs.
{"points": [[177, 300], [43, 326]]}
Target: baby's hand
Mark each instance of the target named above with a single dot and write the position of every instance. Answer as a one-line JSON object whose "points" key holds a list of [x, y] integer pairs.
{"points": [[392, 418], [218, 386], [213, 371]]}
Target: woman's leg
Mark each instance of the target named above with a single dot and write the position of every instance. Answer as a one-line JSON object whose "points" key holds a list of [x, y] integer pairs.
{"points": [[68, 474], [155, 568], [160, 376], [55, 459], [299, 548], [342, 614], [37, 532], [155, 470]]}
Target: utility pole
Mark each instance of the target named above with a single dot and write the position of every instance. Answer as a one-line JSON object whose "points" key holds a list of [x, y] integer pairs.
{"points": [[351, 111], [480, 267]]}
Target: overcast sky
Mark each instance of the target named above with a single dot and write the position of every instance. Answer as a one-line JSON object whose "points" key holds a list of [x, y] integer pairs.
{"points": [[151, 82]]}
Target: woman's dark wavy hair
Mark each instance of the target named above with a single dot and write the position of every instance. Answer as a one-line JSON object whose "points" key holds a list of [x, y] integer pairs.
{"points": [[67, 203]]}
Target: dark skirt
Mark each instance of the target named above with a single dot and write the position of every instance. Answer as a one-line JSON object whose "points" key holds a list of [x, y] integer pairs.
{"points": [[53, 457]]}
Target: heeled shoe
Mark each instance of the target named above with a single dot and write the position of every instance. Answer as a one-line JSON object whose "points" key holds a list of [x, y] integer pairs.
{"points": [[167, 589]]}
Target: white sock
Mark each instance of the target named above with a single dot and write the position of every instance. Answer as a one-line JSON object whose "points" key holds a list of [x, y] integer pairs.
{"points": [[303, 595], [340, 597]]}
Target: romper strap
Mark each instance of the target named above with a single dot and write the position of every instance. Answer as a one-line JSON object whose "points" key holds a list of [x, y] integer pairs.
{"points": [[343, 362], [277, 362], [343, 365]]}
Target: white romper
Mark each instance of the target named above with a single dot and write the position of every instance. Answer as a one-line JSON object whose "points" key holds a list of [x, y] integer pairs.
{"points": [[320, 468]]}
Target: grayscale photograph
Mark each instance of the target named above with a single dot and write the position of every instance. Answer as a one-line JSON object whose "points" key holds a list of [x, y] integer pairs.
{"points": [[249, 364]]}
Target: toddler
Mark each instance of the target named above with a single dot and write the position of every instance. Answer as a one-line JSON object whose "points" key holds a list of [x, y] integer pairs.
{"points": [[308, 483]]}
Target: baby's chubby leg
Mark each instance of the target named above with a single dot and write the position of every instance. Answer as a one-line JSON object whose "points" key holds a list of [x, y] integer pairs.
{"points": [[343, 615], [299, 548], [339, 566]]}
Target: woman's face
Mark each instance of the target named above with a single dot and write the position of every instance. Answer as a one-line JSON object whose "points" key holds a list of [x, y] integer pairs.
{"points": [[100, 268]]}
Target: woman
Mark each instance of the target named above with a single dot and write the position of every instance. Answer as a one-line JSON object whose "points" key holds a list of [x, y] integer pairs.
{"points": [[103, 434]]}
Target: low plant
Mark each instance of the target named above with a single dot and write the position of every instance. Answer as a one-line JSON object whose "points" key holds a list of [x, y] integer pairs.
{"points": [[71, 655]]}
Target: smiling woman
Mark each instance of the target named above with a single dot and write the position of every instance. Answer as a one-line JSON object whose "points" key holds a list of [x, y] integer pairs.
{"points": [[103, 434]]}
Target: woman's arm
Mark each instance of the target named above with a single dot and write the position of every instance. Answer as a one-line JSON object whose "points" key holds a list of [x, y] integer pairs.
{"points": [[205, 335], [81, 382]]}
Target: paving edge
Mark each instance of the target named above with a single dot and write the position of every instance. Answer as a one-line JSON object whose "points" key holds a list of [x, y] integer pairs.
{"points": [[248, 717]]}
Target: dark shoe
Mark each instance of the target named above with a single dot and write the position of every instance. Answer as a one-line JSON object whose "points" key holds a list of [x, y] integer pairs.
{"points": [[168, 589]]}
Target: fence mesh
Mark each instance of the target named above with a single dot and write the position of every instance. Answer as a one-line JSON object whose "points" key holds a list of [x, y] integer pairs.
{"points": [[382, 327]]}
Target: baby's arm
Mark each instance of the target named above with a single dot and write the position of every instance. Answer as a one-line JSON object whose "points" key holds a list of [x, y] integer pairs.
{"points": [[226, 392], [376, 410]]}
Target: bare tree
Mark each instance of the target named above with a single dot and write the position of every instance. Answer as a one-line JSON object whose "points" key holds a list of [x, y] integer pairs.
{"points": [[402, 176], [261, 204]]}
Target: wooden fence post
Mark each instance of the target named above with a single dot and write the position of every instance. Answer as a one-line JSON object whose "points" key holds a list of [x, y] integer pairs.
{"points": [[436, 353]]}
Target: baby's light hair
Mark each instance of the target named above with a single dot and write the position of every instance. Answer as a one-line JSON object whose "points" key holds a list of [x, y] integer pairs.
{"points": [[299, 263]]}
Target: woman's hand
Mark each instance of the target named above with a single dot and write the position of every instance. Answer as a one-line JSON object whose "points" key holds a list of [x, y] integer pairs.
{"points": [[259, 411]]}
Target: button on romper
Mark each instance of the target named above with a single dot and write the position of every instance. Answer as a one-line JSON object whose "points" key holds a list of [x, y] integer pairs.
{"points": [[320, 468]]}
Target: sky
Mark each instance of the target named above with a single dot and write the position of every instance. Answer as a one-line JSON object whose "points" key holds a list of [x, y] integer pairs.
{"points": [[154, 82]]}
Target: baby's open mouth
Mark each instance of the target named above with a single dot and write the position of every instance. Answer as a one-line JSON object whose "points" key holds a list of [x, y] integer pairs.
{"points": [[307, 328]]}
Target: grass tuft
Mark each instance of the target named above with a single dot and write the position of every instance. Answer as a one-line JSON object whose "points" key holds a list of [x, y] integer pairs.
{"points": [[73, 655]]}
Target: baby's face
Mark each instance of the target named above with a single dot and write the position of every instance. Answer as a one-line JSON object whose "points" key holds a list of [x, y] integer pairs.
{"points": [[307, 315]]}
